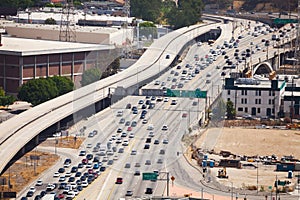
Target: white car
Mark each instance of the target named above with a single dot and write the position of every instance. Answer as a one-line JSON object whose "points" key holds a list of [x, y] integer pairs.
{"points": [[131, 135], [39, 183], [164, 128], [50, 187], [71, 194], [56, 174], [84, 183], [62, 179], [68, 174], [133, 152], [32, 189]]}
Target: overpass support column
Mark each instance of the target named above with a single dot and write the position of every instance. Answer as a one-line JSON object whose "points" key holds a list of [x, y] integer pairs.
{"points": [[36, 140]]}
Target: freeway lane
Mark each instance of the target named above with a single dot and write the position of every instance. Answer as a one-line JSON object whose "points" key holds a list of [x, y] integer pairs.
{"points": [[20, 129]]}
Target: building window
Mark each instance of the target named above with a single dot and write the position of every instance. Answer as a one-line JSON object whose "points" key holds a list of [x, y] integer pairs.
{"points": [[258, 110], [228, 99], [240, 109], [228, 92], [273, 93], [245, 92], [272, 110], [270, 101], [270, 93], [273, 101], [246, 110], [245, 101], [255, 101], [258, 93], [259, 101], [242, 101]]}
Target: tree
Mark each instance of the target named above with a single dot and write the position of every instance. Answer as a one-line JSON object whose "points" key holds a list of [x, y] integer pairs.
{"points": [[149, 10], [50, 21], [63, 84], [187, 13], [231, 112], [115, 65], [90, 76], [5, 100], [147, 29], [37, 91]]}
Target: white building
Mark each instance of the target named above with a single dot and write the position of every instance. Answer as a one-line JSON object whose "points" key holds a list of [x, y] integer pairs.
{"points": [[258, 98]]}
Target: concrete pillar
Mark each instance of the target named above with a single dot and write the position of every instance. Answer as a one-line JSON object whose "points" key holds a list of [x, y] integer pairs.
{"points": [[21, 70]]}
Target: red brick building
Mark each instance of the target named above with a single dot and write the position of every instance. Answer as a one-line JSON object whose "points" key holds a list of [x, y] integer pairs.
{"points": [[25, 59]]}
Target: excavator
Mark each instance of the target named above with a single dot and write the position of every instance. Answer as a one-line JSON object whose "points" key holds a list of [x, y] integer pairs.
{"points": [[222, 173]]}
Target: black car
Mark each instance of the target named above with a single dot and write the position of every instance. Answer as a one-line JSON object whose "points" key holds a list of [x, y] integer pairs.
{"points": [[79, 188], [89, 156], [61, 170], [78, 174], [149, 191], [71, 179], [37, 197], [74, 169], [62, 186], [29, 194], [43, 193], [147, 146], [102, 169]]}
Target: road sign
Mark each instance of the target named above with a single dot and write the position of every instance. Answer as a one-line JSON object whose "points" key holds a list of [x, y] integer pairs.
{"points": [[172, 178], [150, 176], [187, 93], [284, 21]]}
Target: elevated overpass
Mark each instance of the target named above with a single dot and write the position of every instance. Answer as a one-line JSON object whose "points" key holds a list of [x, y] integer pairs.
{"points": [[26, 127]]}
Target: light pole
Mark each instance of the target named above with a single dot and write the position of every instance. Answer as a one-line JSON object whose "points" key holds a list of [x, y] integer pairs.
{"points": [[257, 175]]}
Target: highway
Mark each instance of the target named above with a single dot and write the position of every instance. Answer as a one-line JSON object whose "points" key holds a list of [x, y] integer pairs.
{"points": [[163, 114], [22, 128]]}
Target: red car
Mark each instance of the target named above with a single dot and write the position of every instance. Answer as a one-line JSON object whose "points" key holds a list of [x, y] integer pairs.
{"points": [[119, 180], [90, 171], [84, 161], [61, 196], [129, 128]]}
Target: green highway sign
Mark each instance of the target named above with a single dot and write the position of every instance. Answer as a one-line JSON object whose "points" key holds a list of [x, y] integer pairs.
{"points": [[284, 21], [187, 93], [150, 176]]}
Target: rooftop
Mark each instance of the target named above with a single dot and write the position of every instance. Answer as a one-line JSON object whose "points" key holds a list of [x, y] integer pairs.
{"points": [[25, 47]]}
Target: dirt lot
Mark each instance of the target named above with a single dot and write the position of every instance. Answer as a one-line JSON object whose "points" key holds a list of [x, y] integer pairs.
{"points": [[252, 142]]}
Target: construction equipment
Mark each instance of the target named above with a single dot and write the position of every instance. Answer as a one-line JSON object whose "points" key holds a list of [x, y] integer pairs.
{"points": [[222, 173]]}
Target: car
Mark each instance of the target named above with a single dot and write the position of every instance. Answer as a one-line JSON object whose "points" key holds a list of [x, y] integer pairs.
{"points": [[68, 174], [148, 162], [148, 191], [127, 123], [50, 187], [89, 156], [151, 134], [164, 128], [67, 165], [131, 135], [124, 134], [135, 112], [133, 124], [119, 180], [141, 101], [129, 128], [78, 174], [24, 198], [162, 152], [62, 179], [66, 189], [71, 179], [120, 113], [122, 121], [110, 162], [128, 106], [150, 127], [88, 165], [96, 159], [57, 174], [156, 141], [84, 161], [137, 165], [74, 169], [91, 134], [148, 140], [115, 157], [102, 169], [147, 146], [119, 130], [173, 102], [96, 166], [121, 150], [84, 184], [160, 161], [127, 165], [82, 153], [129, 193], [29, 194], [32, 189], [39, 183], [165, 141], [71, 194], [184, 115], [37, 197], [61, 196], [125, 142], [133, 152], [145, 121], [109, 152], [151, 106]]}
